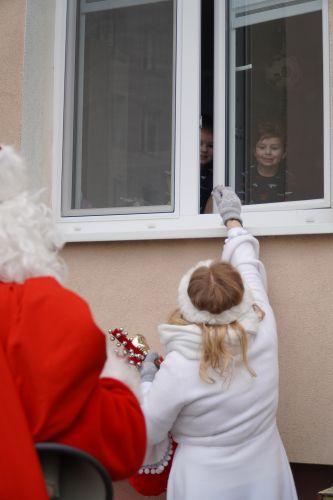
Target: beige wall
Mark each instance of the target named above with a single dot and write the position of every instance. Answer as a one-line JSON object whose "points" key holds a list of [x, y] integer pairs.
{"points": [[12, 28], [133, 284]]}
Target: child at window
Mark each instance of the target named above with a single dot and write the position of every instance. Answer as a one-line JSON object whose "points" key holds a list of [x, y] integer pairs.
{"points": [[217, 388], [268, 180], [206, 165]]}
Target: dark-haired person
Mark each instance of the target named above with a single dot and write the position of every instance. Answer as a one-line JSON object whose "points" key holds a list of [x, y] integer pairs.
{"points": [[206, 164]]}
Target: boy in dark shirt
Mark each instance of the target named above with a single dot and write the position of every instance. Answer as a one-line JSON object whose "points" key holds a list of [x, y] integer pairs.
{"points": [[267, 181]]}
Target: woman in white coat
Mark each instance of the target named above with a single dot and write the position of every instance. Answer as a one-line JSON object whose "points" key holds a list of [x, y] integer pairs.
{"points": [[216, 392]]}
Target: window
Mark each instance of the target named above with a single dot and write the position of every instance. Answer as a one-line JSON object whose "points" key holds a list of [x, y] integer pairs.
{"points": [[276, 99], [158, 100], [123, 111]]}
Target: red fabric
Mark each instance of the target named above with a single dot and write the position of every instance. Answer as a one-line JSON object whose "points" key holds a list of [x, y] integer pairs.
{"points": [[152, 484], [51, 355]]}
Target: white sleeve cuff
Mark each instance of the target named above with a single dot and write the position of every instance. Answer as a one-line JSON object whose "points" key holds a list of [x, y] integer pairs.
{"points": [[234, 232]]}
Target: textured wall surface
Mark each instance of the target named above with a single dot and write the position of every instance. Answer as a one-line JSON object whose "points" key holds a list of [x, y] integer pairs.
{"points": [[134, 284], [12, 29], [37, 112]]}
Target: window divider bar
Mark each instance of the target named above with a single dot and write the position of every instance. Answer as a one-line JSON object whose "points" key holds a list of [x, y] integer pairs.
{"points": [[220, 71]]}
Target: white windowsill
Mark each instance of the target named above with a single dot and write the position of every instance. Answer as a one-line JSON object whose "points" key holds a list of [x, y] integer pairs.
{"points": [[78, 229]]}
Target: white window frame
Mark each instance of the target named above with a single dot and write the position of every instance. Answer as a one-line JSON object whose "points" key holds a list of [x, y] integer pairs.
{"points": [[254, 18], [273, 219]]}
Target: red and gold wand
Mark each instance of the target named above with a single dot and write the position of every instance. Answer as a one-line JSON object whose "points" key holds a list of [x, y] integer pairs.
{"points": [[135, 349]]}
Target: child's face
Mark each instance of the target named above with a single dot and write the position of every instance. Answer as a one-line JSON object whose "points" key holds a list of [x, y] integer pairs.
{"points": [[269, 151], [206, 146]]}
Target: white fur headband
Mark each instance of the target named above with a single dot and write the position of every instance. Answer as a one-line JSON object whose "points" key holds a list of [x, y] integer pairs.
{"points": [[243, 312]]}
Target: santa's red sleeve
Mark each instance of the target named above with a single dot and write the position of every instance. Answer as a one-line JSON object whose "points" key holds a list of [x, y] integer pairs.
{"points": [[54, 353], [20, 473]]}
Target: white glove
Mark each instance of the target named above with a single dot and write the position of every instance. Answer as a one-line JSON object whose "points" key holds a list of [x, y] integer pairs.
{"points": [[228, 203]]}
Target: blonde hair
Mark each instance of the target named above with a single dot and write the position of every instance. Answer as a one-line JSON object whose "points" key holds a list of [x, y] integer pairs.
{"points": [[216, 289]]}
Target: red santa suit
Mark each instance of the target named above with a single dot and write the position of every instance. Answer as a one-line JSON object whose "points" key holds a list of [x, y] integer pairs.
{"points": [[51, 357]]}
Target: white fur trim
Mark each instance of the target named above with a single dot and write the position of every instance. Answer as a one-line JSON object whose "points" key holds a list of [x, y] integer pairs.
{"points": [[118, 368], [157, 457], [242, 313], [187, 339]]}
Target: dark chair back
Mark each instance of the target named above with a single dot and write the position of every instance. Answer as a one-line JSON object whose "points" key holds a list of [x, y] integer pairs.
{"points": [[72, 474], [311, 478]]}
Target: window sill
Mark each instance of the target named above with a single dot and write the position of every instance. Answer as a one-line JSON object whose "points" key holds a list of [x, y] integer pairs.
{"points": [[79, 229]]}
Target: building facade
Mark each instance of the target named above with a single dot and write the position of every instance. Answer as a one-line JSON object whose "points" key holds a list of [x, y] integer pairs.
{"points": [[129, 208]]}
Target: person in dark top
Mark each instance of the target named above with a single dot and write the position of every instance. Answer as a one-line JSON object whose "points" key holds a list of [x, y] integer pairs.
{"points": [[267, 180], [206, 165]]}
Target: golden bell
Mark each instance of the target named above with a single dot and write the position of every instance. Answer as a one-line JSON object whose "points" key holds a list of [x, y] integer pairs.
{"points": [[141, 343]]}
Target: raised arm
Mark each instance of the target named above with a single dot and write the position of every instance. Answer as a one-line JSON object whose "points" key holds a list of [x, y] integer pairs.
{"points": [[241, 249]]}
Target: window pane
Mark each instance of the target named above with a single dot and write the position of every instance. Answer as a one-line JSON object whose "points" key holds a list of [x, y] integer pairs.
{"points": [[123, 154], [276, 86]]}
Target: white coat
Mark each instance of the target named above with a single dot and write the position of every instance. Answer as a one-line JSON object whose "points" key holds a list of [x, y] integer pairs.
{"points": [[229, 447]]}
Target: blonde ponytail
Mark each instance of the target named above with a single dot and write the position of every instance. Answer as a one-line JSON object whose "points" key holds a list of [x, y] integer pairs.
{"points": [[216, 353]]}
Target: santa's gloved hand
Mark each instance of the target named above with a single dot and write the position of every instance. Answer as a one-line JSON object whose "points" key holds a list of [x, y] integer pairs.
{"points": [[228, 203], [149, 367]]}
